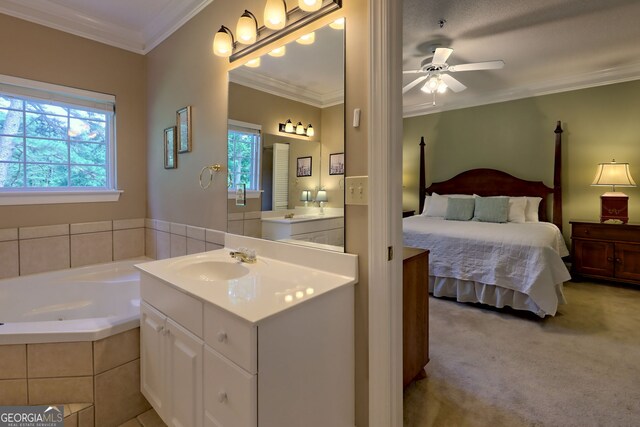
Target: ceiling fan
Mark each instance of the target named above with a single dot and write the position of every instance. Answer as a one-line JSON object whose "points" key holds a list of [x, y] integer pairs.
{"points": [[436, 69]]}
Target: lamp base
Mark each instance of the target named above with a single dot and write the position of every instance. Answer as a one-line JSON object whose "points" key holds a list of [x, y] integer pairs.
{"points": [[614, 206]]}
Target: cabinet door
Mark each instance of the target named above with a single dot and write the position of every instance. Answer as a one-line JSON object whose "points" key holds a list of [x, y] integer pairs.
{"points": [[628, 261], [593, 257], [184, 367], [152, 372]]}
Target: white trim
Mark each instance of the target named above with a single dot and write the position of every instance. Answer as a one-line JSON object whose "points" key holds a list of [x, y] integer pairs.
{"points": [[251, 194], [71, 92], [385, 223], [244, 124], [53, 197]]}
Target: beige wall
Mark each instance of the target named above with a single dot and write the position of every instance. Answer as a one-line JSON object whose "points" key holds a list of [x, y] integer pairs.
{"points": [[182, 70], [599, 124], [332, 142], [35, 52]]}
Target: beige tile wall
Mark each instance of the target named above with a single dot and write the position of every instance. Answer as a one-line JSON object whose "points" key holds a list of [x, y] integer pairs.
{"points": [[168, 239]]}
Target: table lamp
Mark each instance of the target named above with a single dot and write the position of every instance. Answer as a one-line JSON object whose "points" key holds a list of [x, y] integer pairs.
{"points": [[321, 198], [305, 197], [614, 204]]}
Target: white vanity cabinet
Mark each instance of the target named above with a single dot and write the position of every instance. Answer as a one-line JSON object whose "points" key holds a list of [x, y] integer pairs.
{"points": [[326, 230], [203, 365]]}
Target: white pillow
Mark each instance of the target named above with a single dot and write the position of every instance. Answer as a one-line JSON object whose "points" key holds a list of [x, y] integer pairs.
{"points": [[517, 208], [531, 212], [462, 196], [427, 201], [437, 205]]}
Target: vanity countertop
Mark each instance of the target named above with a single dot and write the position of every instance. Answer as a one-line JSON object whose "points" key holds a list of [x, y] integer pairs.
{"points": [[256, 291], [300, 218]]}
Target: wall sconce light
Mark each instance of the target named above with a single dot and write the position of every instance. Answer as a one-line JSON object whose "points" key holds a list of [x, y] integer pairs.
{"points": [[278, 22], [321, 198], [305, 197], [614, 205], [298, 129]]}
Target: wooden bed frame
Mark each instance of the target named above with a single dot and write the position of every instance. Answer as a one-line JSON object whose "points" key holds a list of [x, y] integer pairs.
{"points": [[492, 182]]}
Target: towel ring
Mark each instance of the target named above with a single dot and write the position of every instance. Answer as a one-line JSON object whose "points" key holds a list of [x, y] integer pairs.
{"points": [[211, 169]]}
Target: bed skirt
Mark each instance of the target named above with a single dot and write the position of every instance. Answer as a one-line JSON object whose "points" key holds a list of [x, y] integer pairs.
{"points": [[470, 291]]}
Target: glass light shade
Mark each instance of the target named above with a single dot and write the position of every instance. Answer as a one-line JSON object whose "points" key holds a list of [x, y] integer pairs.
{"points": [[613, 174], [299, 129], [310, 5], [288, 126], [305, 196], [431, 85], [307, 38], [310, 131], [253, 63], [278, 52], [246, 30], [321, 196], [223, 43], [275, 14], [442, 87], [338, 24]]}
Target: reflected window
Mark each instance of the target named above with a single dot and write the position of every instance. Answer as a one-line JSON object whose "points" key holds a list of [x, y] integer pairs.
{"points": [[244, 143]]}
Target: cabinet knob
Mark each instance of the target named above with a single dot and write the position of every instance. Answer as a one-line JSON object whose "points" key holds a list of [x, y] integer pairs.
{"points": [[158, 328], [610, 259], [619, 260], [222, 336], [222, 396]]}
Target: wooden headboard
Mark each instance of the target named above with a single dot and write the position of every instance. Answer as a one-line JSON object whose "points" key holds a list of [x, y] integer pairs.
{"points": [[491, 182]]}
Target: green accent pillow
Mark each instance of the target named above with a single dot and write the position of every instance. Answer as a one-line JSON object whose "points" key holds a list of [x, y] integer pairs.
{"points": [[460, 209], [491, 209]]}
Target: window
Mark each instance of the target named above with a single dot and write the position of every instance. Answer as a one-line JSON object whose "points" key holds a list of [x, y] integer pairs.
{"points": [[54, 140], [244, 155]]}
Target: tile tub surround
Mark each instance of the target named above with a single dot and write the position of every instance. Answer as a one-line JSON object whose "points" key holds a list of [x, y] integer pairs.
{"points": [[165, 239], [30, 250], [104, 375]]}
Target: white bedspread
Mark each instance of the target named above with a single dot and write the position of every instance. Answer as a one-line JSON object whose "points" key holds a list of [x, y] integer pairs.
{"points": [[522, 257]]}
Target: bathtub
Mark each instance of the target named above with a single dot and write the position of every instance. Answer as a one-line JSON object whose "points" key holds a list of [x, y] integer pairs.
{"points": [[78, 304]]}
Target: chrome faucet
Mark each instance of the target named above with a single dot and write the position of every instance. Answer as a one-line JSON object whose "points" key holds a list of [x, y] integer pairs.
{"points": [[245, 255]]}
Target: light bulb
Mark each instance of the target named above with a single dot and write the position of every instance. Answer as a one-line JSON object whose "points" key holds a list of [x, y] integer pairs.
{"points": [[310, 131], [288, 126], [278, 52], [246, 30], [442, 87], [309, 5], [253, 63], [299, 129], [223, 42], [307, 38], [275, 14], [338, 24]]}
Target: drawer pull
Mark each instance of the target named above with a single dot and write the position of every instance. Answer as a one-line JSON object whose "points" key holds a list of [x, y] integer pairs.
{"points": [[222, 336], [222, 396], [610, 259], [619, 260]]}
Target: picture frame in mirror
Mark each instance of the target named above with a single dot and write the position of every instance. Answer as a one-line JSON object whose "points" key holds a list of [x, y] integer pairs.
{"points": [[170, 148], [304, 166], [183, 123], [336, 164]]}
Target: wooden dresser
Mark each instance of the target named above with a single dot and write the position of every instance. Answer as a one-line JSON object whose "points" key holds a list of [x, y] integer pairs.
{"points": [[606, 251], [415, 317]]}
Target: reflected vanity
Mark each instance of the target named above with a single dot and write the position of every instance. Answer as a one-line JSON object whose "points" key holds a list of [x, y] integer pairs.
{"points": [[292, 195]]}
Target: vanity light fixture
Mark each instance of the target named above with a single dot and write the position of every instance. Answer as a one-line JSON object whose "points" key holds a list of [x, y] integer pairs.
{"points": [[310, 132], [248, 33], [278, 52], [338, 24], [288, 127], [253, 63], [223, 42], [300, 129], [307, 38], [247, 28], [275, 14], [309, 5]]}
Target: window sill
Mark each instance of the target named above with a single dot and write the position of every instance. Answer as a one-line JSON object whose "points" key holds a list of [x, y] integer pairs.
{"points": [[53, 197], [251, 194]]}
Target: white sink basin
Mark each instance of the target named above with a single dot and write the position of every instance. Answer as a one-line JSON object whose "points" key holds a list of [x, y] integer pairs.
{"points": [[213, 271]]}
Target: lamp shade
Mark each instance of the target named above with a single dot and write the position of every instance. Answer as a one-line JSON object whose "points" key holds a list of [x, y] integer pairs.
{"points": [[338, 24], [309, 5], [307, 38], [278, 52], [247, 28], [310, 131], [253, 63], [275, 14], [288, 126], [614, 174], [321, 196], [223, 42], [305, 196], [300, 129]]}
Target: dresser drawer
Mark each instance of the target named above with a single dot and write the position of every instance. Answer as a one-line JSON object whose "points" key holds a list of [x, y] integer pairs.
{"points": [[231, 336], [230, 393], [620, 233]]}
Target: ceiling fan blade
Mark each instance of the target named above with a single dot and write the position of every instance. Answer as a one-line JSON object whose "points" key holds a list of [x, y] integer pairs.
{"points": [[413, 71], [452, 83], [413, 84], [489, 65], [441, 55]]}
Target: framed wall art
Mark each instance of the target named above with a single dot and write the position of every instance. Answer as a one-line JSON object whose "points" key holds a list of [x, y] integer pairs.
{"points": [[183, 123], [303, 167], [170, 148], [336, 164]]}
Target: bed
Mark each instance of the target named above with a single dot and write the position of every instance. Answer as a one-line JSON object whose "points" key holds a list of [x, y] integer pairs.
{"points": [[516, 264]]}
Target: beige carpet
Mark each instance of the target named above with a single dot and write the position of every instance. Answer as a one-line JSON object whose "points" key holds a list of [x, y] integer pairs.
{"points": [[496, 368]]}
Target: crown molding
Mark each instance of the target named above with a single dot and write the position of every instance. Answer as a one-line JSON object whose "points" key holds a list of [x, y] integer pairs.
{"points": [[576, 82], [286, 90], [74, 22]]}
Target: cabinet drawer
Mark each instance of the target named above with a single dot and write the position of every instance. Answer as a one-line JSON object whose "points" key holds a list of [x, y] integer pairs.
{"points": [[183, 308], [230, 393], [231, 336], [620, 233]]}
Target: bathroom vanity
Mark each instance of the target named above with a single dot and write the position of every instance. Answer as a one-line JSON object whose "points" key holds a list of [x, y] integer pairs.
{"points": [[226, 343], [324, 229]]}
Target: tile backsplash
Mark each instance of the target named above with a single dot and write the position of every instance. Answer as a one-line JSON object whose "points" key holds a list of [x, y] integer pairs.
{"points": [[29, 250]]}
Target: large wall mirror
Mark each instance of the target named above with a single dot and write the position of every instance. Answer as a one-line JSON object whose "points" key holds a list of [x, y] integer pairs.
{"points": [[291, 173]]}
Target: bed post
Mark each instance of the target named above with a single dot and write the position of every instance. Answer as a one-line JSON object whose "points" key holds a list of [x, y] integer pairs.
{"points": [[557, 178], [423, 185]]}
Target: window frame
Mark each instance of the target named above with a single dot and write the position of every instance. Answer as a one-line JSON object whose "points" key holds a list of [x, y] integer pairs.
{"points": [[250, 193], [31, 90]]}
